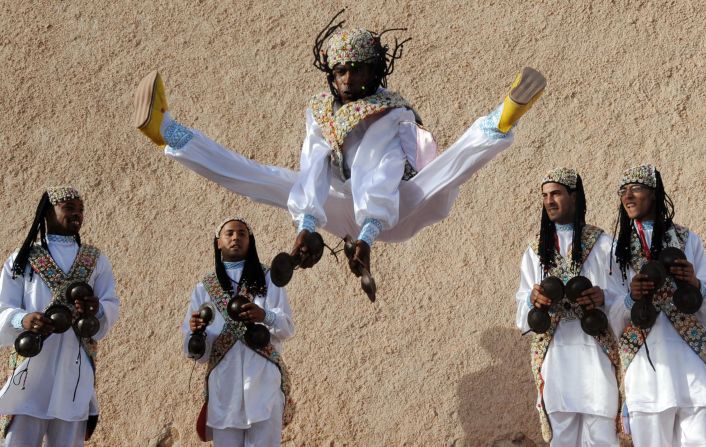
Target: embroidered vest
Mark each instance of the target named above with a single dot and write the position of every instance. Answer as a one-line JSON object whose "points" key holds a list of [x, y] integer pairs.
{"points": [[335, 127], [42, 263], [233, 331], [565, 269], [687, 326]]}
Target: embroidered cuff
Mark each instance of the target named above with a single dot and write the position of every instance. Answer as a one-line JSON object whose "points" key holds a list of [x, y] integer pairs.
{"points": [[370, 231], [307, 222], [529, 300], [270, 318], [177, 135], [628, 302], [16, 321], [489, 125], [100, 314]]}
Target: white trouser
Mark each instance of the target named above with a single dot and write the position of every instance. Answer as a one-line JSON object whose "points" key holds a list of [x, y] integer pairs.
{"points": [[425, 199], [28, 431], [684, 427], [578, 429], [261, 434]]}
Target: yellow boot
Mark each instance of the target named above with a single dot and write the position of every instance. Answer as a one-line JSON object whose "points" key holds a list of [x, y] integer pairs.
{"points": [[527, 88], [150, 107]]}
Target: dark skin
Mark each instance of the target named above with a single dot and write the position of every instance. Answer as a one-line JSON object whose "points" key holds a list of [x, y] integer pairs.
{"points": [[353, 80], [560, 205], [66, 219], [638, 201], [233, 242]]}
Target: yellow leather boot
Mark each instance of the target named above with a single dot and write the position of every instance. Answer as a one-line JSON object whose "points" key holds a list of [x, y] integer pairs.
{"points": [[527, 88], [150, 106]]}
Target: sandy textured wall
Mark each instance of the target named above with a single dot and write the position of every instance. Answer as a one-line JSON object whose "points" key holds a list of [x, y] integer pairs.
{"points": [[437, 360]]}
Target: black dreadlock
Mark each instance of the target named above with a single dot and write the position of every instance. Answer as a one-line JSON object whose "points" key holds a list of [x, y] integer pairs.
{"points": [[547, 232], [664, 214], [253, 277], [383, 64]]}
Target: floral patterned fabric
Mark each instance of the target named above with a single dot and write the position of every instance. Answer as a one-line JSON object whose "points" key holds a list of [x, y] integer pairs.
{"points": [[335, 127], [233, 331], [565, 269]]}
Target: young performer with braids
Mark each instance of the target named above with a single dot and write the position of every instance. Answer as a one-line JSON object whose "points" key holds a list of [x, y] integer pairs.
{"points": [[247, 388], [51, 396], [367, 165], [665, 380], [575, 373]]}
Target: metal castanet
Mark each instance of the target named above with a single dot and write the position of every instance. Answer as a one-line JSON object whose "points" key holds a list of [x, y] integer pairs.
{"points": [[538, 318], [283, 265], [644, 313], [60, 316], [29, 344], [197, 340], [256, 336], [367, 282], [235, 307], [87, 325], [593, 321], [687, 298]]}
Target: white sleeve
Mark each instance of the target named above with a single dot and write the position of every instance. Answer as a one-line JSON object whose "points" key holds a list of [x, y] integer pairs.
{"points": [[377, 171], [276, 302], [11, 302], [694, 252], [104, 289], [309, 193], [529, 272], [619, 312]]}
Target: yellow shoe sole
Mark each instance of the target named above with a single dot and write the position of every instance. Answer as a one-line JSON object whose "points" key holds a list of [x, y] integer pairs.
{"points": [[524, 92], [150, 106]]}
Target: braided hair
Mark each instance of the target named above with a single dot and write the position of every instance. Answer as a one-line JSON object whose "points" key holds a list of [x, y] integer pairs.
{"points": [[253, 277], [664, 214], [547, 232], [383, 63]]}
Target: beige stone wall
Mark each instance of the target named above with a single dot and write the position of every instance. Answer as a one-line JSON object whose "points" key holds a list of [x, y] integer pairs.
{"points": [[437, 360]]}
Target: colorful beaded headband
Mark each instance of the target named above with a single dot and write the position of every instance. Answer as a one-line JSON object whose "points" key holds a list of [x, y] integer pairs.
{"points": [[564, 176], [355, 45], [231, 219], [59, 194], [643, 174]]}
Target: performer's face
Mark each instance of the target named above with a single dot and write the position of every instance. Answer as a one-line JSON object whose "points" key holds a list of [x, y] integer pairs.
{"points": [[234, 241], [353, 80], [65, 218], [559, 203], [638, 201]]}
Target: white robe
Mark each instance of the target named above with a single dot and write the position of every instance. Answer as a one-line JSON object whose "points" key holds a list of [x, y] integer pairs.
{"points": [[578, 376], [679, 378], [374, 151], [53, 374], [244, 388]]}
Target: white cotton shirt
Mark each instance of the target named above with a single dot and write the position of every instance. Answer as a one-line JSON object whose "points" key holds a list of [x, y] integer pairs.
{"points": [[244, 388], [50, 378], [679, 377], [579, 377]]}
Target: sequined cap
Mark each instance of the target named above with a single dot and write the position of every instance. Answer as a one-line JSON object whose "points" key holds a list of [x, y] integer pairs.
{"points": [[564, 176], [643, 174], [59, 194], [231, 219], [355, 45]]}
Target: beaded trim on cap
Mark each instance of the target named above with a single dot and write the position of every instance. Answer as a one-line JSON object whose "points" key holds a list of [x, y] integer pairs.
{"points": [[355, 45], [564, 176], [59, 194], [643, 174], [231, 219]]}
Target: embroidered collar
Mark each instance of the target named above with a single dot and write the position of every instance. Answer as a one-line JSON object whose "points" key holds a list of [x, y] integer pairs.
{"points": [[336, 125], [564, 227], [233, 265], [61, 239]]}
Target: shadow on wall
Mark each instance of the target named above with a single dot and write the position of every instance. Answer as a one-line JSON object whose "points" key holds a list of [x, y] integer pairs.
{"points": [[496, 404]]}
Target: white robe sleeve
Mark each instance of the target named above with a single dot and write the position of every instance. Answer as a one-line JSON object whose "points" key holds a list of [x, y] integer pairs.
{"points": [[11, 302], [104, 289], [529, 272], [310, 191], [377, 170], [694, 252], [276, 302]]}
